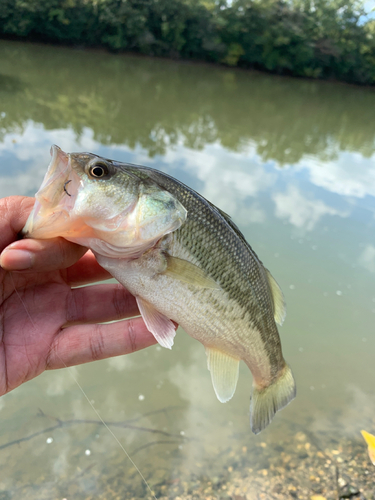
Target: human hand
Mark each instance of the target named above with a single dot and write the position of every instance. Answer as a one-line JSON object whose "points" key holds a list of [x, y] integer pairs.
{"points": [[44, 322]]}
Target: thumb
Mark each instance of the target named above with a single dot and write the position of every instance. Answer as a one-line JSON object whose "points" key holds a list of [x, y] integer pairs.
{"points": [[29, 254]]}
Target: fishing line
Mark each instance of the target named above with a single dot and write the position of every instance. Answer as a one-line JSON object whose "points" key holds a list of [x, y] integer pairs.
{"points": [[86, 397]]}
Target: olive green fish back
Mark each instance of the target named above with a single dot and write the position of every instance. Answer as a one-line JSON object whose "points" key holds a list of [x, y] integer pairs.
{"points": [[221, 250]]}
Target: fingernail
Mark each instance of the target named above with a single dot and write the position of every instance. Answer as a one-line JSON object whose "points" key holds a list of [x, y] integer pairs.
{"points": [[17, 260]]}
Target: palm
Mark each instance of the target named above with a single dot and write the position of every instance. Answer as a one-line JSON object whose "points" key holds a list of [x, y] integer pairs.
{"points": [[47, 324], [33, 305]]}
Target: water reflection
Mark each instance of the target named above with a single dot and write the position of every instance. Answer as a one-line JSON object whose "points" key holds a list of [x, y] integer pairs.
{"points": [[292, 162], [301, 211], [158, 104]]}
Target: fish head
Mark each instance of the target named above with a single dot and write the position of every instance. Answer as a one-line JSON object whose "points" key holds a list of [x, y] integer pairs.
{"points": [[101, 204]]}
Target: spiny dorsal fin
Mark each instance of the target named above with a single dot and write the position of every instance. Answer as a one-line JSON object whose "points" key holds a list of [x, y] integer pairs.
{"points": [[279, 306], [224, 373], [187, 272], [159, 325]]}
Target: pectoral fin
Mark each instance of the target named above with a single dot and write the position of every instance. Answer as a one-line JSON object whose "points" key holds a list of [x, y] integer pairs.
{"points": [[279, 305], [159, 325], [224, 373], [183, 270]]}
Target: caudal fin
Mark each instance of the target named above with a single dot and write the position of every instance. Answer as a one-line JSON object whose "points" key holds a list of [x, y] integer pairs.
{"points": [[266, 402]]}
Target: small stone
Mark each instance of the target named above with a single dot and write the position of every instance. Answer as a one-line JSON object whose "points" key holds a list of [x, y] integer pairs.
{"points": [[300, 436], [277, 488], [341, 482], [348, 492], [88, 453], [317, 488]]}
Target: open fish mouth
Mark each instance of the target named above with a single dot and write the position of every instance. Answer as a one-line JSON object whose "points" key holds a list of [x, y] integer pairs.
{"points": [[55, 198], [91, 201]]}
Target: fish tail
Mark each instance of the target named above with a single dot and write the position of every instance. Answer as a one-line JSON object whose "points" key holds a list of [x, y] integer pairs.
{"points": [[267, 401]]}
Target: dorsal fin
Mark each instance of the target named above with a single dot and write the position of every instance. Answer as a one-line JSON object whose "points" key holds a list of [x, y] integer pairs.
{"points": [[279, 306]]}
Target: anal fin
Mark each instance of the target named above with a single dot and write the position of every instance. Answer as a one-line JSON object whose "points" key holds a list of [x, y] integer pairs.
{"points": [[159, 325], [224, 373]]}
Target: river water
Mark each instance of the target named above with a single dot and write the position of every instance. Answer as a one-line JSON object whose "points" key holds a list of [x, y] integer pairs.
{"points": [[292, 161]]}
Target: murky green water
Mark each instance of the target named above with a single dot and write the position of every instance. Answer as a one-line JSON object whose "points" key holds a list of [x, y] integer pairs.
{"points": [[293, 162]]}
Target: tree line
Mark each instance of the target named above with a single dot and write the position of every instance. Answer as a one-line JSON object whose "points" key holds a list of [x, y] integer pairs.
{"points": [[307, 38]]}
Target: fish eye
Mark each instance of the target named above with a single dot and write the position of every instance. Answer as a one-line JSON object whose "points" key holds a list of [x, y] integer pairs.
{"points": [[98, 170]]}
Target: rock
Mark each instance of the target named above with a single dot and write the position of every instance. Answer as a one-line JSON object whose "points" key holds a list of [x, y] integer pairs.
{"points": [[349, 492]]}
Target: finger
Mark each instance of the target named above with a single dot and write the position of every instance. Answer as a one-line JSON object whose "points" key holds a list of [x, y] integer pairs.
{"points": [[100, 303], [40, 255], [28, 254], [84, 343], [14, 211], [86, 270]]}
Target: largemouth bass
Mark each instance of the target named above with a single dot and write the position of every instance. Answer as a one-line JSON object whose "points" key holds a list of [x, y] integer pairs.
{"points": [[182, 258]]}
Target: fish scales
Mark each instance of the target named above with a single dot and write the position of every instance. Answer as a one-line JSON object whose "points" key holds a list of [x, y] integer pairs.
{"points": [[235, 265], [182, 258]]}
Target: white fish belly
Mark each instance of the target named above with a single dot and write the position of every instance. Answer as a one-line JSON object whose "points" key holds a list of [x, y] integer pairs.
{"points": [[207, 315]]}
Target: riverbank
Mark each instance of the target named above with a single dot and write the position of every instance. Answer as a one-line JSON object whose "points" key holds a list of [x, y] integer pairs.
{"points": [[305, 466], [327, 41]]}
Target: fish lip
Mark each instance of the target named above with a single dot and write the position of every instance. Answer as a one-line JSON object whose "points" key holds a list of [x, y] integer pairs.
{"points": [[53, 196], [59, 159]]}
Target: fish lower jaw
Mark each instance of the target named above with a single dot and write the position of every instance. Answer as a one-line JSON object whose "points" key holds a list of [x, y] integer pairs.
{"points": [[105, 250]]}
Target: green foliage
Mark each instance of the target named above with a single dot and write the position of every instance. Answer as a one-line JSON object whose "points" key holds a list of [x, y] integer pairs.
{"points": [[313, 38]]}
